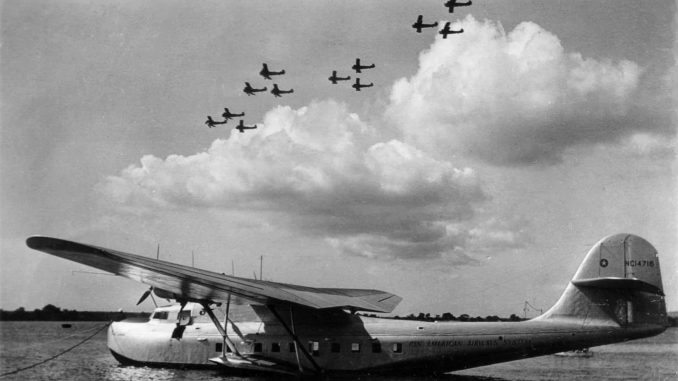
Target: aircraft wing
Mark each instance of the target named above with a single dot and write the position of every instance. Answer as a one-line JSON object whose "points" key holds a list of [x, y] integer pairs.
{"points": [[196, 284]]}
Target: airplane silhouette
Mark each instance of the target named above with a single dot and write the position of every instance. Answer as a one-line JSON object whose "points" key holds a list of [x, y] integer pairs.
{"points": [[242, 127], [450, 4], [211, 123], [228, 115], [249, 90], [357, 86], [276, 91], [446, 30], [267, 73], [334, 77], [420, 24], [616, 295], [358, 67]]}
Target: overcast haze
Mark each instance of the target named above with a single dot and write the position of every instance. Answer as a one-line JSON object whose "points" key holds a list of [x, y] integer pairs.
{"points": [[473, 176]]}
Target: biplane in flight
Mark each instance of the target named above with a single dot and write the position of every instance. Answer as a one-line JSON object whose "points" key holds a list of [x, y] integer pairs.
{"points": [[229, 115], [212, 123], [357, 85], [358, 67], [419, 25], [268, 73], [451, 4], [242, 127], [446, 30], [277, 92], [334, 79], [249, 90], [239, 323]]}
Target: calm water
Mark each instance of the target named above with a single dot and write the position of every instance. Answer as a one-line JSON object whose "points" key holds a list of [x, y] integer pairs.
{"points": [[26, 343]]}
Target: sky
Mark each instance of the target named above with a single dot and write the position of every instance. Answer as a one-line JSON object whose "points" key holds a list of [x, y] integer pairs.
{"points": [[472, 177]]}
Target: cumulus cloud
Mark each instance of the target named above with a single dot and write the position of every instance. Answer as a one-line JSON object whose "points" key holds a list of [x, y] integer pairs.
{"points": [[322, 171], [513, 98]]}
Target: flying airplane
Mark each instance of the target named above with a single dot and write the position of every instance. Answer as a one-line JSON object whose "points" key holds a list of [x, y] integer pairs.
{"points": [[249, 90], [358, 67], [228, 115], [616, 295], [242, 127], [333, 78], [450, 4], [357, 86], [446, 30], [276, 91], [420, 24], [267, 73], [211, 123]]}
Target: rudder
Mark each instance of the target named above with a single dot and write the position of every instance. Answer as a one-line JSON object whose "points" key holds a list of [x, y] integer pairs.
{"points": [[618, 283]]}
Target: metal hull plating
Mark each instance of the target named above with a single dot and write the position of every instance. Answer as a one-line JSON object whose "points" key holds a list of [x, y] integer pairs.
{"points": [[364, 344]]}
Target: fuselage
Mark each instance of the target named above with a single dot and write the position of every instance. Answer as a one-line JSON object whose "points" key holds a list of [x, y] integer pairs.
{"points": [[354, 343]]}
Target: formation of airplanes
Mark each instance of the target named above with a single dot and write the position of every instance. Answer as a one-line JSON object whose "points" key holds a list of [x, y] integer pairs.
{"points": [[445, 31], [250, 90], [250, 325], [358, 67]]}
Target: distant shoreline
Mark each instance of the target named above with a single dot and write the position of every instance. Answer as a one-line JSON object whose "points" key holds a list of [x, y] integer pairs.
{"points": [[52, 313]]}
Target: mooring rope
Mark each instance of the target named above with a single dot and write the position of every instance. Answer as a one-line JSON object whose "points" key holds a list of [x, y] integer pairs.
{"points": [[58, 354]]}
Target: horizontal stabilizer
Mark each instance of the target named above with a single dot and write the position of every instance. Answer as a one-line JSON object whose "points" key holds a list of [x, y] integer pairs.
{"points": [[619, 283]]}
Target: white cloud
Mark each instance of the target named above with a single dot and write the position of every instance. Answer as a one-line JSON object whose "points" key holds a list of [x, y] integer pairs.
{"points": [[321, 171], [512, 99]]}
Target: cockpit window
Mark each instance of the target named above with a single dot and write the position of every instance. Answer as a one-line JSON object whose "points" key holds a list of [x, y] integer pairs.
{"points": [[160, 315]]}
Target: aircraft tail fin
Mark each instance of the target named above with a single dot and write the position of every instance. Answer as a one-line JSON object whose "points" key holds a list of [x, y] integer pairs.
{"points": [[619, 283]]}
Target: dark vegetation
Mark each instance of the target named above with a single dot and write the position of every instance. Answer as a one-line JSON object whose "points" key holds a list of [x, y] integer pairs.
{"points": [[449, 317], [672, 318], [52, 313]]}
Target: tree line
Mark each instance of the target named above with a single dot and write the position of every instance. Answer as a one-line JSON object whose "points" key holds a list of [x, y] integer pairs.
{"points": [[53, 313]]}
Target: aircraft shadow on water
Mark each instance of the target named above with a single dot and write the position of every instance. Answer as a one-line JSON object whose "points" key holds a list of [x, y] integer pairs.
{"points": [[255, 325]]}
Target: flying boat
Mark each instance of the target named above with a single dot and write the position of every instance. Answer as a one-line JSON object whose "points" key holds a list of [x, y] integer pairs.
{"points": [[257, 325]]}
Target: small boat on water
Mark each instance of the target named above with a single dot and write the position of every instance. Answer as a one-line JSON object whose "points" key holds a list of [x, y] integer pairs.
{"points": [[582, 352]]}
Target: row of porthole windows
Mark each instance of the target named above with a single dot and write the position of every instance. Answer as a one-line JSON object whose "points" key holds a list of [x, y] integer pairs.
{"points": [[314, 347]]}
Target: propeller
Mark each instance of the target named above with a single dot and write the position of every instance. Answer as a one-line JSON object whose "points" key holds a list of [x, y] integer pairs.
{"points": [[145, 295]]}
